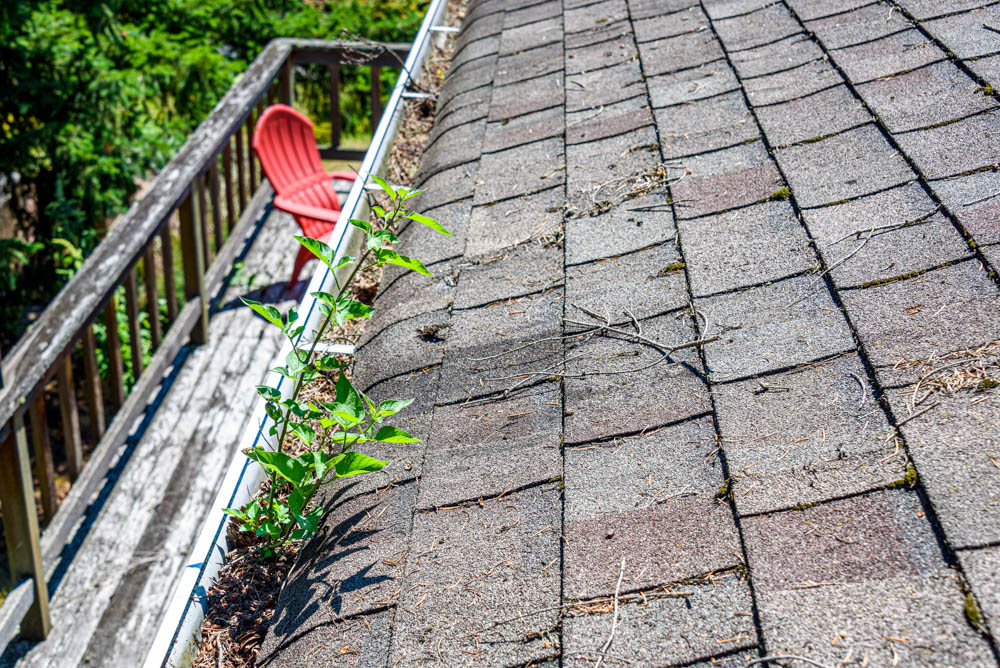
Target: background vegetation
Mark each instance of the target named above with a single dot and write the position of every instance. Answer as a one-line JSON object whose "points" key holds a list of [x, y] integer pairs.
{"points": [[96, 96]]}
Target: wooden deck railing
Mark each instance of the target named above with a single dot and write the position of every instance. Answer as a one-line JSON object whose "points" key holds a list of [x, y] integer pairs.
{"points": [[207, 197]]}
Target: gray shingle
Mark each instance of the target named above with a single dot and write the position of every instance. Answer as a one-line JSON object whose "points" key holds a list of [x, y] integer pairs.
{"points": [[603, 406], [678, 624], [692, 84], [627, 227], [520, 171], [988, 68], [644, 9], [817, 9], [931, 314], [964, 34], [672, 24], [761, 330], [982, 569], [841, 229], [595, 56], [531, 13], [459, 145], [720, 9], [854, 575], [758, 28], [529, 64], [525, 129], [853, 163], [595, 15], [926, 96], [777, 56], [897, 53], [813, 76], [859, 25], [608, 120], [954, 148], [744, 247], [423, 243], [646, 283], [823, 113], [502, 552], [531, 36], [527, 97], [960, 195], [705, 125], [695, 197], [926, 9], [402, 347], [592, 89], [495, 227], [595, 168], [514, 272], [807, 439], [952, 446], [362, 642], [678, 53]]}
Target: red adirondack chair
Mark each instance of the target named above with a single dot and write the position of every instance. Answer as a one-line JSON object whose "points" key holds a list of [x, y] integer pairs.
{"points": [[285, 143]]}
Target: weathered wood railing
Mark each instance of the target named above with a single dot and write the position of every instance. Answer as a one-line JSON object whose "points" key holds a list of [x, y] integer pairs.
{"points": [[215, 187]]}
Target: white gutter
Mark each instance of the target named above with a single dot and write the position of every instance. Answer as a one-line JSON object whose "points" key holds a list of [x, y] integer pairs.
{"points": [[176, 641]]}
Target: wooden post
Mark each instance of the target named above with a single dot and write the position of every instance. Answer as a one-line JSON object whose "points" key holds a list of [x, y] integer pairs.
{"points": [[286, 82], [202, 219], [42, 447], [116, 372], [241, 159], [376, 97], [152, 294], [20, 523], [169, 284], [194, 266], [252, 168], [134, 324], [335, 118], [215, 198], [227, 176], [70, 418], [92, 386]]}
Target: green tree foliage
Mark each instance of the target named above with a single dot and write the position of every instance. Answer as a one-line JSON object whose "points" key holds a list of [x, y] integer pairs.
{"points": [[95, 96]]}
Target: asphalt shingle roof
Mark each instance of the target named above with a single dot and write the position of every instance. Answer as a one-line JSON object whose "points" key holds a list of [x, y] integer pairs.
{"points": [[810, 187]]}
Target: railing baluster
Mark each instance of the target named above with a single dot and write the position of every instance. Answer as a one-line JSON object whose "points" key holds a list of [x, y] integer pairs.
{"points": [[257, 171], [214, 198], [20, 523], [169, 283], [335, 118], [92, 386], [251, 167], [41, 444], [376, 93], [112, 348], [227, 175], [286, 81], [241, 179], [194, 266], [152, 294], [202, 219], [134, 322], [70, 418]]}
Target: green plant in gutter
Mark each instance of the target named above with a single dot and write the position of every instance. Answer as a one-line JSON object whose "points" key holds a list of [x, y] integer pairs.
{"points": [[329, 431]]}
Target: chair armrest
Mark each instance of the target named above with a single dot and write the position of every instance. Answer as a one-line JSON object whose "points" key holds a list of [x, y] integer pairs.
{"points": [[297, 209], [346, 176]]}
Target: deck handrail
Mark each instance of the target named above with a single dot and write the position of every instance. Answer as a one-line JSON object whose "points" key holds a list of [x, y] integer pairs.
{"points": [[210, 195]]}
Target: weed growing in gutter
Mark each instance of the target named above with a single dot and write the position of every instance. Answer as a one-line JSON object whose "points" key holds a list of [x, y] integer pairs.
{"points": [[329, 431]]}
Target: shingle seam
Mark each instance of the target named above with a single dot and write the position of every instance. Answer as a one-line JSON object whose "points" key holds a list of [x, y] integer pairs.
{"points": [[639, 433], [562, 329], [741, 14], [954, 13], [854, 198], [472, 399], [825, 502], [781, 71], [751, 286], [798, 367], [519, 195], [796, 97], [829, 49], [763, 45], [842, 11], [451, 505], [863, 82], [758, 628], [530, 23], [729, 91], [934, 126], [533, 47], [873, 378], [430, 265], [584, 142], [686, 68], [521, 295], [547, 73], [443, 133], [978, 546], [582, 263], [813, 140], [909, 275]]}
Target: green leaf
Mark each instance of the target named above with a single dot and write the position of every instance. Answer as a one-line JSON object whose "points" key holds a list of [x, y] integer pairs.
{"points": [[349, 397], [269, 393], [317, 248], [328, 362], [391, 407], [348, 309], [392, 257], [429, 222], [266, 311], [303, 431], [407, 194], [284, 465], [296, 502], [389, 434], [345, 261], [379, 211], [296, 360], [386, 187], [363, 224], [355, 463]]}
